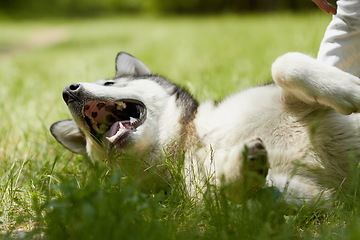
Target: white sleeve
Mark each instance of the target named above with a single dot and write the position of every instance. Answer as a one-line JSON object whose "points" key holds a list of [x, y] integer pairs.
{"points": [[340, 46]]}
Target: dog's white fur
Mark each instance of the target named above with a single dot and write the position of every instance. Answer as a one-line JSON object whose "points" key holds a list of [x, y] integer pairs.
{"points": [[305, 120]]}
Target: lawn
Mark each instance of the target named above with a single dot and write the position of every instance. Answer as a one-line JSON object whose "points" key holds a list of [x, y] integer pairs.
{"points": [[47, 191]]}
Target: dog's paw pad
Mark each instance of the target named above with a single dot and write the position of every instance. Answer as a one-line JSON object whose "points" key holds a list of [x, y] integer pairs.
{"points": [[255, 148], [255, 155]]}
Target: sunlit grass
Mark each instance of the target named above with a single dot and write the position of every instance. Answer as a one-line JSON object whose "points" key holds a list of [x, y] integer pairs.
{"points": [[47, 190]]}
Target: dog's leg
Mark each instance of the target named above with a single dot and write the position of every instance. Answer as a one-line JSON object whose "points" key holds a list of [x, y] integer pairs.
{"points": [[237, 170], [255, 158], [314, 82], [298, 190], [254, 161]]}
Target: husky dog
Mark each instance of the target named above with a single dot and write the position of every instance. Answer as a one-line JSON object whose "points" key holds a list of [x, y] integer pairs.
{"points": [[298, 132]]}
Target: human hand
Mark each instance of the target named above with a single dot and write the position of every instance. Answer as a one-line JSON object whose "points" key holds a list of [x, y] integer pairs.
{"points": [[325, 6]]}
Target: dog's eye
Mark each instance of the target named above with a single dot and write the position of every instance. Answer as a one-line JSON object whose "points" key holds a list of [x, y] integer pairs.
{"points": [[109, 83]]}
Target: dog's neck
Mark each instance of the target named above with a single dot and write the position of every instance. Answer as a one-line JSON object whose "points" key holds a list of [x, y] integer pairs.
{"points": [[187, 142]]}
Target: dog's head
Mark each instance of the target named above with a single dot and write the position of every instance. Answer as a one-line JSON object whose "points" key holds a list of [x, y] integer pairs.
{"points": [[135, 110]]}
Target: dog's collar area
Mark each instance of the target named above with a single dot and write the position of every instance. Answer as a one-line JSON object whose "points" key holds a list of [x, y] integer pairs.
{"points": [[113, 122]]}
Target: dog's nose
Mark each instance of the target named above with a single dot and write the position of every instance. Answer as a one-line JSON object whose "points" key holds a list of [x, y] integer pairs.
{"points": [[73, 87], [71, 92]]}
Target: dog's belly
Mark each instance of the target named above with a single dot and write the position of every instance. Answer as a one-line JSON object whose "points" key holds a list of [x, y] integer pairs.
{"points": [[257, 112], [315, 135]]}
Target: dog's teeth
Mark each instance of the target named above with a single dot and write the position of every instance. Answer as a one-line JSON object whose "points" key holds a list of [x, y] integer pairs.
{"points": [[111, 139], [117, 134], [133, 120]]}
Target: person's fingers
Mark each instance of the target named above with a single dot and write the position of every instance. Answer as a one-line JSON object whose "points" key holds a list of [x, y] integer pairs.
{"points": [[325, 6]]}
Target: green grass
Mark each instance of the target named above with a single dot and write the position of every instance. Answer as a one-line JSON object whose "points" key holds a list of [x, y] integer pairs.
{"points": [[46, 190]]}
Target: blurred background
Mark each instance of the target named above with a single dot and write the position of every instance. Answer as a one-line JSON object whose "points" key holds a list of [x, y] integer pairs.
{"points": [[79, 8], [211, 47]]}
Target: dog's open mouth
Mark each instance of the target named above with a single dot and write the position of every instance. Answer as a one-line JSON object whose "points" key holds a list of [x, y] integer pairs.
{"points": [[114, 122]]}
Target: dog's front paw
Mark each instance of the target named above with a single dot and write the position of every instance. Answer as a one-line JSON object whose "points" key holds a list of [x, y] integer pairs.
{"points": [[339, 90], [255, 157], [312, 81], [345, 98]]}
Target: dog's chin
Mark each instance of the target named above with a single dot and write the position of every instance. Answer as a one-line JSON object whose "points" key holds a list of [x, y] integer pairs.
{"points": [[112, 124]]}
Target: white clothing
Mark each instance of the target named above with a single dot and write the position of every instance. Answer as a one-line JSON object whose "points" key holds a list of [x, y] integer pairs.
{"points": [[340, 46]]}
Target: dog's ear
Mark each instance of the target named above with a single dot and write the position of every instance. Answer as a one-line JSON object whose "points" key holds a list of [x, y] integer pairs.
{"points": [[69, 135], [127, 65]]}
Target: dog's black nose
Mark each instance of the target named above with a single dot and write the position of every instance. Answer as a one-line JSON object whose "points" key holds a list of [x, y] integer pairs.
{"points": [[73, 87], [71, 92]]}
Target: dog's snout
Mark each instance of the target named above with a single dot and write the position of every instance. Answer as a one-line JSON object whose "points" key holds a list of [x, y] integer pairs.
{"points": [[71, 92]]}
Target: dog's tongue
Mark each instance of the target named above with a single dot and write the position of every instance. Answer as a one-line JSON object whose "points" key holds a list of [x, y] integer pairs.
{"points": [[119, 129]]}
